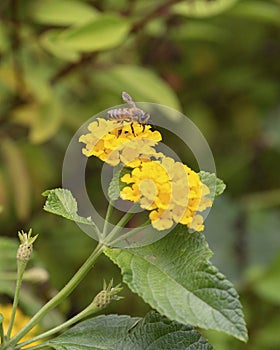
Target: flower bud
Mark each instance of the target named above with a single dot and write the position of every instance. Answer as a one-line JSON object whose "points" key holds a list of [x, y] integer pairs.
{"points": [[108, 294], [25, 249]]}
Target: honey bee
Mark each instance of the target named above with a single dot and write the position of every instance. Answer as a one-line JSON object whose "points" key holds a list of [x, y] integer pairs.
{"points": [[129, 115]]}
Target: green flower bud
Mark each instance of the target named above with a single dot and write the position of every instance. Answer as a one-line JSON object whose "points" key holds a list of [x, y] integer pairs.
{"points": [[108, 294], [25, 249]]}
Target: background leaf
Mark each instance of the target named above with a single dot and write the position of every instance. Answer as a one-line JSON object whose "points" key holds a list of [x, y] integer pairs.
{"points": [[18, 177], [62, 12], [104, 32], [152, 88], [8, 264], [203, 8], [191, 290]]}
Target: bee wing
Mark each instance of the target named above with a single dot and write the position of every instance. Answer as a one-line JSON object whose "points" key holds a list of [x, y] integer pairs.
{"points": [[128, 99]]}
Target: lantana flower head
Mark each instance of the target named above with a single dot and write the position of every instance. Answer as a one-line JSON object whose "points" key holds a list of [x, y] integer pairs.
{"points": [[114, 143], [171, 191]]}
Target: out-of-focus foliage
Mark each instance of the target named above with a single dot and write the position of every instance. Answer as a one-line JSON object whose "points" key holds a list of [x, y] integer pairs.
{"points": [[217, 61]]}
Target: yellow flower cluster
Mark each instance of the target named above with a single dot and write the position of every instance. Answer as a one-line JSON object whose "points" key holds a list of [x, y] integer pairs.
{"points": [[170, 190], [114, 143], [20, 321]]}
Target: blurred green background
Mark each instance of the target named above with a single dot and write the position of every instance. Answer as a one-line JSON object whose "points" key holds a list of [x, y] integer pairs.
{"points": [[218, 61]]}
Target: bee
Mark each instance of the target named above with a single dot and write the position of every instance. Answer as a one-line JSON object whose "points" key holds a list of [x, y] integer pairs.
{"points": [[129, 115]]}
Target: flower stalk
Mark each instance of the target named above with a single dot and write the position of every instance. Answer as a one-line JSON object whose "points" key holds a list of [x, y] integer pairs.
{"points": [[101, 300], [59, 297], [23, 255]]}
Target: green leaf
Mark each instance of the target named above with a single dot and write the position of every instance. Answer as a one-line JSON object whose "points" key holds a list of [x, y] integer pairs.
{"points": [[157, 332], [62, 12], [47, 122], [104, 32], [43, 119], [141, 83], [268, 285], [199, 31], [61, 202], [8, 265], [116, 185], [8, 249], [49, 42], [215, 184], [202, 8], [101, 332], [176, 278], [115, 332], [19, 177], [262, 11]]}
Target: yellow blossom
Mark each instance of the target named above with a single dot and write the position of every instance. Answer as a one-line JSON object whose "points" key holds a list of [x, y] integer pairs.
{"points": [[170, 190], [114, 143], [20, 321]]}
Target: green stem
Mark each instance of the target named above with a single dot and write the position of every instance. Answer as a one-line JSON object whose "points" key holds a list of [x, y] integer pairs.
{"points": [[130, 233], [119, 226], [21, 265], [89, 310], [2, 339], [61, 295], [106, 223]]}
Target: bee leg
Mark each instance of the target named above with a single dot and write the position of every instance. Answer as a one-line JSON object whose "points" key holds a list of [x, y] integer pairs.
{"points": [[119, 132], [132, 129], [143, 127]]}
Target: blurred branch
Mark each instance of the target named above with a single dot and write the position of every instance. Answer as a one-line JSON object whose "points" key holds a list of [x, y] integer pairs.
{"points": [[161, 10], [261, 200], [89, 58], [130, 6], [16, 46], [240, 242]]}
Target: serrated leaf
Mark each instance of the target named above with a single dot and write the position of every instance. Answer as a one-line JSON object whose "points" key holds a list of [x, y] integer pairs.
{"points": [[157, 332], [101, 332], [114, 188], [116, 185], [62, 12], [104, 32], [202, 8], [215, 184], [61, 202], [175, 277], [113, 332]]}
